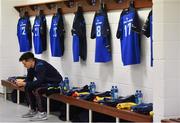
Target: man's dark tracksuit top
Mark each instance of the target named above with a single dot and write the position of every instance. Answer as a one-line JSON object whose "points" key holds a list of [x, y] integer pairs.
{"points": [[42, 74]]}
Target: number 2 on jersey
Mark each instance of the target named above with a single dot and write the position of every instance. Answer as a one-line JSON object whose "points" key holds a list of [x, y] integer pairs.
{"points": [[23, 30], [127, 29]]}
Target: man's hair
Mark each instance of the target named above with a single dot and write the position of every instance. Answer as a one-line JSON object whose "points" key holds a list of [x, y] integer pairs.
{"points": [[26, 56]]}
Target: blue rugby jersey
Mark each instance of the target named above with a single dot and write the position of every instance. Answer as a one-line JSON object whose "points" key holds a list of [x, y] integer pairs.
{"points": [[101, 31], [24, 34], [130, 40], [79, 36], [147, 31], [76, 47], [57, 35], [39, 34]]}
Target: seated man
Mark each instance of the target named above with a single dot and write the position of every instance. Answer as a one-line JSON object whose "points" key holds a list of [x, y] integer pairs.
{"points": [[40, 74]]}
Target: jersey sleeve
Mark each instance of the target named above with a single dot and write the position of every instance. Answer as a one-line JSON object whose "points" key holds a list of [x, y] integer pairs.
{"points": [[93, 29], [107, 32], [61, 24], [18, 28], [120, 27], [73, 30], [135, 24], [43, 26], [83, 52], [43, 32], [107, 26], [62, 31], [29, 32], [78, 23], [34, 24], [146, 26], [30, 76]]}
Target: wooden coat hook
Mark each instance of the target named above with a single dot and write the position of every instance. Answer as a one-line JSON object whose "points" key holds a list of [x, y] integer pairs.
{"points": [[119, 1], [92, 2], [132, 4], [38, 9], [70, 3], [23, 12]]}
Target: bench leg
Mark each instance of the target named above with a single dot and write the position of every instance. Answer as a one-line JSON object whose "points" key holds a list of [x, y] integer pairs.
{"points": [[48, 105], [90, 116], [18, 96], [67, 112], [117, 120], [5, 93]]}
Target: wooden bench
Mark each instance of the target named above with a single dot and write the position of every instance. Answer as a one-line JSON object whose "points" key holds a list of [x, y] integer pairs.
{"points": [[91, 106]]}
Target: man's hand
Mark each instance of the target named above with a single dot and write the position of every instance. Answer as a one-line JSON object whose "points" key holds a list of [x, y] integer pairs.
{"points": [[20, 82]]}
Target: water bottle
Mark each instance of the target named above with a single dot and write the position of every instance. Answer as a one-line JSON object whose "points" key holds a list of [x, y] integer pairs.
{"points": [[112, 93], [92, 87], [116, 93], [66, 84], [140, 97], [136, 96]]}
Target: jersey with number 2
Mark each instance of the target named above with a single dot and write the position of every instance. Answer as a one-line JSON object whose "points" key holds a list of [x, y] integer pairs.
{"points": [[24, 34]]}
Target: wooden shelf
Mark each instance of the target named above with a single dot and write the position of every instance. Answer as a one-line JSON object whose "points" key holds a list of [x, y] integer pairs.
{"points": [[63, 4], [111, 111]]}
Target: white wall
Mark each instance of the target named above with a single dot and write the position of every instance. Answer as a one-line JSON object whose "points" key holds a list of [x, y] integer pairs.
{"points": [[9, 54], [1, 90], [167, 37]]}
